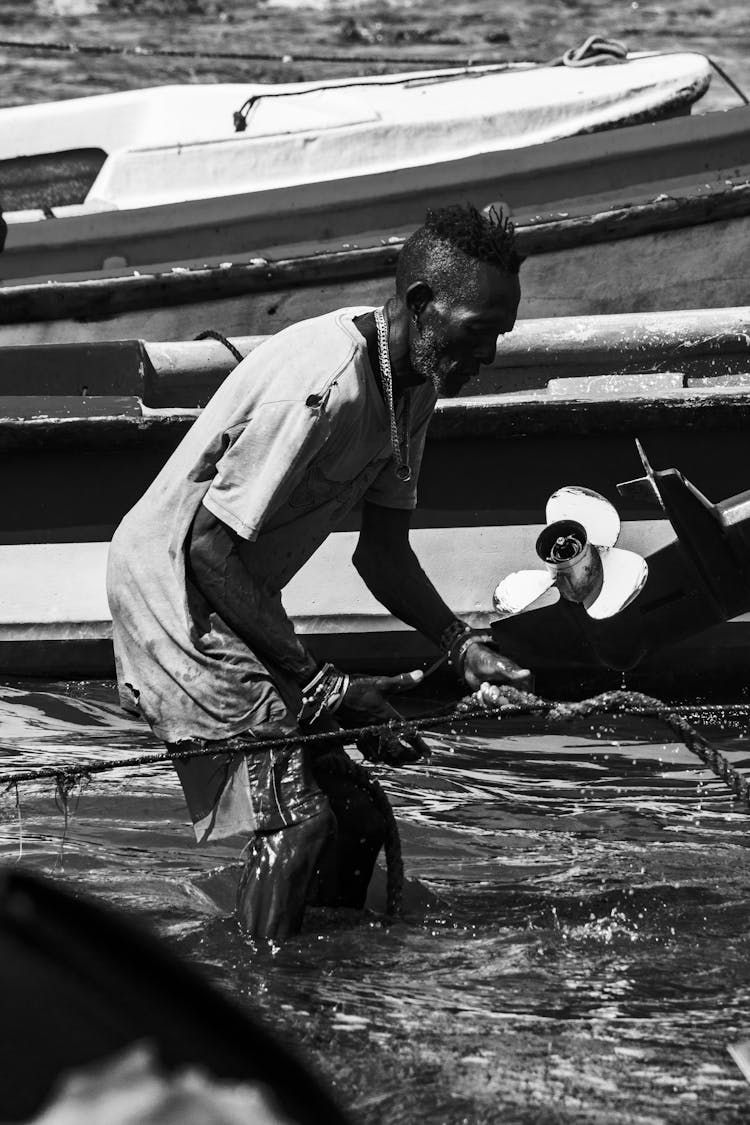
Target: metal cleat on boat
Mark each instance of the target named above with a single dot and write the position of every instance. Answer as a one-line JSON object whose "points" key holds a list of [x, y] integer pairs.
{"points": [[632, 606]]}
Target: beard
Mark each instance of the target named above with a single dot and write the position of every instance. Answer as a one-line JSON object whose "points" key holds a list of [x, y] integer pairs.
{"points": [[430, 359]]}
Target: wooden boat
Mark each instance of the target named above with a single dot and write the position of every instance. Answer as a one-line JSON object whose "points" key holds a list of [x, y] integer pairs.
{"points": [[161, 175], [648, 217], [79, 961], [85, 428]]}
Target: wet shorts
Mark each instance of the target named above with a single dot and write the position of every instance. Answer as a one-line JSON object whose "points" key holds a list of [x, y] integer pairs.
{"points": [[239, 790]]}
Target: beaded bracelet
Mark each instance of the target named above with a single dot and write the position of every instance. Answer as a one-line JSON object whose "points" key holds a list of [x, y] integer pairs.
{"points": [[324, 692]]}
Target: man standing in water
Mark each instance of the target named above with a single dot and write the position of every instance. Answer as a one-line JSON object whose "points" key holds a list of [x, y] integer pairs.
{"points": [[328, 412]]}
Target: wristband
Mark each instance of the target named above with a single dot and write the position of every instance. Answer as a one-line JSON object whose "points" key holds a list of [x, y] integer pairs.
{"points": [[324, 692], [453, 633], [461, 646]]}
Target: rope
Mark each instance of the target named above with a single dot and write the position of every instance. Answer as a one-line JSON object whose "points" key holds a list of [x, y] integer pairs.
{"points": [[363, 779], [501, 701], [241, 116], [490, 700], [493, 700], [729, 81], [65, 786], [252, 56], [594, 50], [212, 334], [19, 817]]}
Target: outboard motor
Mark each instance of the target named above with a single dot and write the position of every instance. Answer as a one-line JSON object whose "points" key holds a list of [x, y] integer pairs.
{"points": [[613, 607]]}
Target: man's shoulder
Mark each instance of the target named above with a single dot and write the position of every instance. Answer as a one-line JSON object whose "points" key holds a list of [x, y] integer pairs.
{"points": [[322, 343], [300, 360]]}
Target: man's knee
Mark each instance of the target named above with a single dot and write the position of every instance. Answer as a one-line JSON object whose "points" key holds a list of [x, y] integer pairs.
{"points": [[279, 868], [346, 862]]}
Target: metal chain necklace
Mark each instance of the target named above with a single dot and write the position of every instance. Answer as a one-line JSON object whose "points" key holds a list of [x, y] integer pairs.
{"points": [[399, 445]]}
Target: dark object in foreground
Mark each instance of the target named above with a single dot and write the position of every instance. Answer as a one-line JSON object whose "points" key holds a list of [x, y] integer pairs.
{"points": [[701, 578], [80, 984]]}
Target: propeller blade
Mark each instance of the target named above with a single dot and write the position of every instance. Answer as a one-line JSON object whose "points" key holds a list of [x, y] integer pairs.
{"points": [[524, 589], [590, 509], [624, 575]]}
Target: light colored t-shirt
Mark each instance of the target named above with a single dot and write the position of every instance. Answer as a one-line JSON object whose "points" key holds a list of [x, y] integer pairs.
{"points": [[296, 435]]}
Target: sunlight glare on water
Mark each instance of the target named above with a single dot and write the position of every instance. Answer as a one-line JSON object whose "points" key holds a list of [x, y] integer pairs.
{"points": [[578, 946], [66, 7], [579, 951]]}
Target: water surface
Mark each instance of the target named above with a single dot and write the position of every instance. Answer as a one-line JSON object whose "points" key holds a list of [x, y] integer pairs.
{"points": [[584, 954], [586, 957], [366, 36]]}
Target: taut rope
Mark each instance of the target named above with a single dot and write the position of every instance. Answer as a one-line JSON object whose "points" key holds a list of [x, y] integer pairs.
{"points": [[500, 701], [490, 701], [592, 51]]}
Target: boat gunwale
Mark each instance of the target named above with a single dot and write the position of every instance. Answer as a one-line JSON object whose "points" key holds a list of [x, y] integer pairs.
{"points": [[568, 154], [97, 298], [494, 416]]}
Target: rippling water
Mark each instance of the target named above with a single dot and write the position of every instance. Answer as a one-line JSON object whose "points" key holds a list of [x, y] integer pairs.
{"points": [[579, 949], [387, 32]]}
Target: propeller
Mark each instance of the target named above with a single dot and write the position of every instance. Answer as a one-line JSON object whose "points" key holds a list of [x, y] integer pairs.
{"points": [[582, 563]]}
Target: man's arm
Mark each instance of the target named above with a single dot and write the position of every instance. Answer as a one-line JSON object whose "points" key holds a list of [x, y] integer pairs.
{"points": [[391, 571], [220, 565]]}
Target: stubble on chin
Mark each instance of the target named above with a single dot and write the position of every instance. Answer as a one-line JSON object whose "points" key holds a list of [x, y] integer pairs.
{"points": [[429, 362]]}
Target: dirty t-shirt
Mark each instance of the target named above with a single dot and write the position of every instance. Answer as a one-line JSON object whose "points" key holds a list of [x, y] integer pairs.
{"points": [[295, 436]]}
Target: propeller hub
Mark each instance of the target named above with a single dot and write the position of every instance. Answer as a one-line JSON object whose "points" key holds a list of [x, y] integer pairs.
{"points": [[565, 549]]}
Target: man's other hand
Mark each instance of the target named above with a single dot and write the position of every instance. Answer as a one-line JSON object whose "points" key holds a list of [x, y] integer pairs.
{"points": [[484, 664], [365, 703]]}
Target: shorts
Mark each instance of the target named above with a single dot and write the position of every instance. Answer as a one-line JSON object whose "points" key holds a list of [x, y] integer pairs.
{"points": [[239, 790]]}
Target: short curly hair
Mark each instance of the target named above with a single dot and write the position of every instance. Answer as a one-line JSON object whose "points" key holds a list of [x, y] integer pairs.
{"points": [[484, 237]]}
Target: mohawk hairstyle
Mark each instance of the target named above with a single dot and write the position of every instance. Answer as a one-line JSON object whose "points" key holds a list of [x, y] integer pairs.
{"points": [[487, 237], [448, 234]]}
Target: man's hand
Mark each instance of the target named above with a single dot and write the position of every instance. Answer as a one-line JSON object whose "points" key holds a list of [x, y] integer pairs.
{"points": [[364, 703], [482, 663]]}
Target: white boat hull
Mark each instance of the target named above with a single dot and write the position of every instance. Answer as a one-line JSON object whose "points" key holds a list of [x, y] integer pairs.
{"points": [[182, 183]]}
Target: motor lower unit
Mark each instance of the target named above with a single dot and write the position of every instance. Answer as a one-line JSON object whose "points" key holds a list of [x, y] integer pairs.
{"points": [[595, 603]]}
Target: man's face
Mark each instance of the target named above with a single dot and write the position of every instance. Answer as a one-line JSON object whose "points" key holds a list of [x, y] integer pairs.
{"points": [[457, 334]]}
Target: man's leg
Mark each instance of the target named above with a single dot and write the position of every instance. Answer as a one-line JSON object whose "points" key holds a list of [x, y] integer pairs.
{"points": [[273, 797], [294, 821], [275, 882], [346, 862]]}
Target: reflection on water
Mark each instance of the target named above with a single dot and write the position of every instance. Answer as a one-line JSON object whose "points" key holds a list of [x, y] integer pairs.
{"points": [[584, 952], [66, 7], [585, 957]]}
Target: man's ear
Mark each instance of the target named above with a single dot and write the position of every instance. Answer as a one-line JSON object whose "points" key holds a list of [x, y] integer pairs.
{"points": [[418, 296]]}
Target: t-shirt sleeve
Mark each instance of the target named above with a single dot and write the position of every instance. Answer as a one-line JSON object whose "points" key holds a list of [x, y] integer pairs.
{"points": [[264, 459], [387, 490]]}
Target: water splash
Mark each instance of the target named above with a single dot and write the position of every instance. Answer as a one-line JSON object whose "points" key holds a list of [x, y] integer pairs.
{"points": [[585, 898]]}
